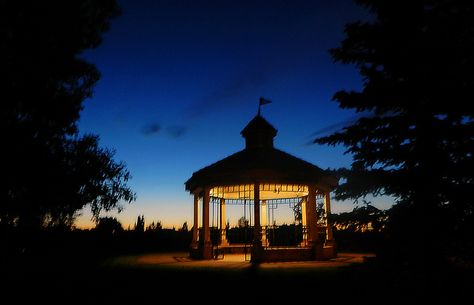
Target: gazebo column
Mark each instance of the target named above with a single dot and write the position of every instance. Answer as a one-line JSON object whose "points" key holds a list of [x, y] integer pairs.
{"points": [[223, 225], [327, 208], [312, 217], [194, 243], [206, 245], [304, 223], [264, 222], [257, 249]]}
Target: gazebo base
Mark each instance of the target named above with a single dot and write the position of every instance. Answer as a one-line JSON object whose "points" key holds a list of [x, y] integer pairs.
{"points": [[201, 252], [288, 254], [298, 254], [274, 254]]}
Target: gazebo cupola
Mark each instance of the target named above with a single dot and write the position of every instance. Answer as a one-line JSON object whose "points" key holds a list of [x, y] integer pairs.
{"points": [[258, 133]]}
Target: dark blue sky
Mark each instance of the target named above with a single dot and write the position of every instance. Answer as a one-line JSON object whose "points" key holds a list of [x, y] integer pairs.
{"points": [[180, 79]]}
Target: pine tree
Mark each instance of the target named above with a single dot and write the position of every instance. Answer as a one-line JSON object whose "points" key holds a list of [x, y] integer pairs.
{"points": [[416, 59]]}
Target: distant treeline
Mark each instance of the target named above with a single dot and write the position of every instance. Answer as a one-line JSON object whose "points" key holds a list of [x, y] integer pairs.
{"points": [[93, 242], [360, 230]]}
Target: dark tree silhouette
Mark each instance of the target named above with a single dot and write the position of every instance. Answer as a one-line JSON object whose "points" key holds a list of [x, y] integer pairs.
{"points": [[242, 222], [140, 224], [184, 228], [154, 227], [416, 58], [51, 171], [360, 219], [108, 226], [297, 213]]}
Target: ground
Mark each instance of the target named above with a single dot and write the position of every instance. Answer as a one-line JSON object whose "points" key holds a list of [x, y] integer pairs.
{"points": [[175, 279]]}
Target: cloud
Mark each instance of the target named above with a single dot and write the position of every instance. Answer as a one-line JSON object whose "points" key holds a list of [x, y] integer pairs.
{"points": [[174, 131], [227, 93], [150, 129], [177, 131], [339, 126], [224, 94]]}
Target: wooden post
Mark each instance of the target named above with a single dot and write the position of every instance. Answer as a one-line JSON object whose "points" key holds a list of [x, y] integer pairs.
{"points": [[312, 217], [257, 249], [194, 243], [222, 218], [264, 222], [327, 208], [206, 244], [304, 223]]}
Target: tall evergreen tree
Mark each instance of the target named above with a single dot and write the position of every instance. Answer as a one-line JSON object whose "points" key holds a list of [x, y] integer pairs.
{"points": [[416, 58], [51, 172]]}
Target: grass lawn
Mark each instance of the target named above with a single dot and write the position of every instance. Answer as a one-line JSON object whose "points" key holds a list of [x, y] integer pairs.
{"points": [[171, 278]]}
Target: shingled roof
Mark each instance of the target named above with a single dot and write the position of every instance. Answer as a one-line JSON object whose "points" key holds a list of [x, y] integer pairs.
{"points": [[260, 162]]}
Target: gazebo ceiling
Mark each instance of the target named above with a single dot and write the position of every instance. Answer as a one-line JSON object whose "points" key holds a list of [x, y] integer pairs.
{"points": [[260, 163], [267, 191]]}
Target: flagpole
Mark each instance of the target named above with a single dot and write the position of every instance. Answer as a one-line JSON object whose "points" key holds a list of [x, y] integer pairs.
{"points": [[261, 102]]}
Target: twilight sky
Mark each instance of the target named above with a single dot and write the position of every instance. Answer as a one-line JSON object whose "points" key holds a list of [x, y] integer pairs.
{"points": [[181, 79]]}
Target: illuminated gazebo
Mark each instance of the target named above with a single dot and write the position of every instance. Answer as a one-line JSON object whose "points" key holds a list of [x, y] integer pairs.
{"points": [[262, 175]]}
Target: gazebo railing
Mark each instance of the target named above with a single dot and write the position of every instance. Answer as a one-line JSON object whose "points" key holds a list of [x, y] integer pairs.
{"points": [[273, 236]]}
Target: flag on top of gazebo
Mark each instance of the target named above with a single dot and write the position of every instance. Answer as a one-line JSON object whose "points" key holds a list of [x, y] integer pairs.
{"points": [[264, 101]]}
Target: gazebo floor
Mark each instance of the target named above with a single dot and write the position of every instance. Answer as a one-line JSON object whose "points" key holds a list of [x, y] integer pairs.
{"points": [[275, 254], [243, 248]]}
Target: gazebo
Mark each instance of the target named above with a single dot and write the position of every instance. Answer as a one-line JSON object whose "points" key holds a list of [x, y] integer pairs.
{"points": [[261, 174]]}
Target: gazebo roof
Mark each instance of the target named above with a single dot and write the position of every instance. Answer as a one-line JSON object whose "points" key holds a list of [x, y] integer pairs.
{"points": [[260, 162]]}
